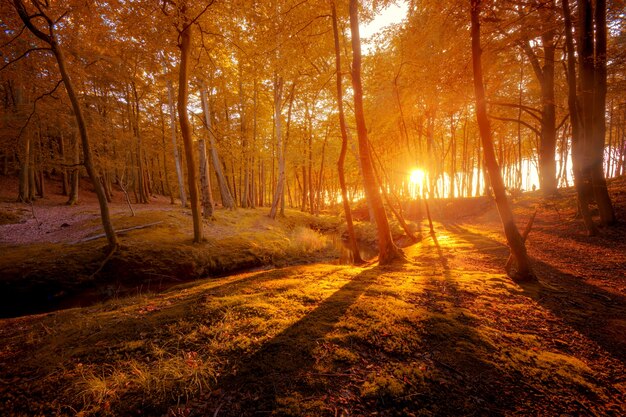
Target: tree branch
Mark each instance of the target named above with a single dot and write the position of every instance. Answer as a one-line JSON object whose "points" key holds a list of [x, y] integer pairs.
{"points": [[506, 119], [536, 113], [32, 113], [23, 56], [21, 11]]}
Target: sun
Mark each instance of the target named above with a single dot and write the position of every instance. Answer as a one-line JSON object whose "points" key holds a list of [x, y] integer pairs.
{"points": [[416, 177]]}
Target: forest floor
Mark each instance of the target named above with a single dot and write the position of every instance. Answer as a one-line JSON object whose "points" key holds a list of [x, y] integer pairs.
{"points": [[443, 332]]}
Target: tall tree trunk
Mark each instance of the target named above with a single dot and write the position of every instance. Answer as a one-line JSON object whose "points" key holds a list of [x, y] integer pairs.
{"points": [[597, 143], [179, 170], [514, 239], [205, 181], [579, 154], [227, 199], [387, 250], [24, 184], [185, 128], [279, 192], [63, 159]]}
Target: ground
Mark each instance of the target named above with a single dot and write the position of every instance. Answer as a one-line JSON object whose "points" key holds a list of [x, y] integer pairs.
{"points": [[442, 332]]}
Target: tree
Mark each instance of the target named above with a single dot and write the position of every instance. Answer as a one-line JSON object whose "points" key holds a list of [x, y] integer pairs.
{"points": [[514, 239], [344, 142], [387, 250], [51, 40]]}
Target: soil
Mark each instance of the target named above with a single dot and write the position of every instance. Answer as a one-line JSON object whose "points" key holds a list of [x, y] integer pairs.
{"points": [[442, 332]]}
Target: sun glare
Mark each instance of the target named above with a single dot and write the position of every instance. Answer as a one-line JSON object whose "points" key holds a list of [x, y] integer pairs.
{"points": [[416, 182], [417, 177]]}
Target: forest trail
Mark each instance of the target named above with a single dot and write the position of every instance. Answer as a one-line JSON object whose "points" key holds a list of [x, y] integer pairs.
{"points": [[443, 333]]}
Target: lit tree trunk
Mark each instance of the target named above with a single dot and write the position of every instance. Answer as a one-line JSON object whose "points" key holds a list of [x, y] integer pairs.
{"points": [[179, 171], [185, 128], [64, 179], [279, 192], [545, 76], [245, 153], [227, 199], [205, 179], [514, 239], [165, 169], [387, 250], [51, 40], [576, 108]]}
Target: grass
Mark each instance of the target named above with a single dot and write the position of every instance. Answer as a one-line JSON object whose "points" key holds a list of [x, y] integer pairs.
{"points": [[443, 333], [425, 337]]}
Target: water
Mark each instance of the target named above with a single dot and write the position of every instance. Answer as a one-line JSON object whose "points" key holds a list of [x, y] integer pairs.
{"points": [[346, 256]]}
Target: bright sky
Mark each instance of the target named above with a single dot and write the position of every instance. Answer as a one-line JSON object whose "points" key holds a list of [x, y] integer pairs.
{"points": [[390, 15]]}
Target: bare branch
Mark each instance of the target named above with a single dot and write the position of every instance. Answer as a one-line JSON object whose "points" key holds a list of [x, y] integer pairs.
{"points": [[536, 113], [21, 10], [14, 38], [32, 113], [23, 56], [506, 119], [195, 19]]}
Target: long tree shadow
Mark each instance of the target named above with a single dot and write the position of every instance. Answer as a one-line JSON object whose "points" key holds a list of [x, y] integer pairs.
{"points": [[280, 367], [460, 353], [590, 310]]}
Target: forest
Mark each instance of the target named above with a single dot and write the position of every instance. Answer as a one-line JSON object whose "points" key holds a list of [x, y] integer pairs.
{"points": [[312, 207]]}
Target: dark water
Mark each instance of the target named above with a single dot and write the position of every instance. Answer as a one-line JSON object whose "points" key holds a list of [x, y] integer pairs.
{"points": [[346, 256], [44, 301]]}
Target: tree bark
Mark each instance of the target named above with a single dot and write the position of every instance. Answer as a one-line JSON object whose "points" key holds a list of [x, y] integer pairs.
{"points": [[280, 185], [578, 149], [387, 250], [227, 199], [600, 191], [185, 128], [205, 179], [514, 239]]}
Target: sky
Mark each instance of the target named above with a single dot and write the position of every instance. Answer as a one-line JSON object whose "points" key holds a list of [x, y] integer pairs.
{"points": [[388, 16]]}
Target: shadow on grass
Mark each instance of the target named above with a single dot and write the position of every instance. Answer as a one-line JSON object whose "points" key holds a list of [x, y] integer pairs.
{"points": [[466, 376], [586, 308], [281, 365]]}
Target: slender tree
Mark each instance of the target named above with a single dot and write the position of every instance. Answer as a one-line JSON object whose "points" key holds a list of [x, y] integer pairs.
{"points": [[514, 239], [387, 250], [51, 40], [185, 34]]}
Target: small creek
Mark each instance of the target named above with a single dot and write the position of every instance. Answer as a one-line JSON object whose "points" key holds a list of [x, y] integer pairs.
{"points": [[36, 303]]}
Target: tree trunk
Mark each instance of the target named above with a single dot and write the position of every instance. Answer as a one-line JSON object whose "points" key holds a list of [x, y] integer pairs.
{"points": [[279, 192], [185, 128], [514, 239], [600, 191], [227, 199], [179, 170], [205, 179], [581, 179], [23, 192], [387, 250]]}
